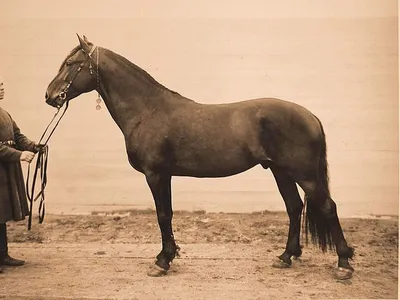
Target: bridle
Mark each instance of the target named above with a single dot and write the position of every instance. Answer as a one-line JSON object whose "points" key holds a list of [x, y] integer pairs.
{"points": [[41, 161], [63, 95]]}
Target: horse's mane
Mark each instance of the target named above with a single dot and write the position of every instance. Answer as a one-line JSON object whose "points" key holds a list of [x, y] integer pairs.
{"points": [[137, 70]]}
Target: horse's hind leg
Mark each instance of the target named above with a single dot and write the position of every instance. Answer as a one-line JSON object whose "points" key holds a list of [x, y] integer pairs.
{"points": [[294, 206], [323, 224]]}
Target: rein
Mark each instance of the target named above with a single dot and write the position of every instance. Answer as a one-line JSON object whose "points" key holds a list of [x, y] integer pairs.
{"points": [[41, 166], [43, 154]]}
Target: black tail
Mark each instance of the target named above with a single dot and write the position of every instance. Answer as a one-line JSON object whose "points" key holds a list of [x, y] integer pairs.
{"points": [[314, 221]]}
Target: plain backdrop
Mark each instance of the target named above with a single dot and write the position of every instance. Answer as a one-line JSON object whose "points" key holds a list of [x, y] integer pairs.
{"points": [[337, 58]]}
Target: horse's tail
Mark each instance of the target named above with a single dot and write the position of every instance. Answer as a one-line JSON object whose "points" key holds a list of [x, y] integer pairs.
{"points": [[314, 221]]}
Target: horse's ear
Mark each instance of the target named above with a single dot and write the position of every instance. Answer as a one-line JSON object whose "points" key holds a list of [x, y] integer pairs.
{"points": [[86, 39], [84, 45]]}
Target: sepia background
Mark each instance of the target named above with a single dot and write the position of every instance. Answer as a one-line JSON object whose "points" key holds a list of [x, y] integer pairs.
{"points": [[337, 58]]}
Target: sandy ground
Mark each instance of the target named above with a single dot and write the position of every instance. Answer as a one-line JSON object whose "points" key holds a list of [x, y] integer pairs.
{"points": [[224, 256]]}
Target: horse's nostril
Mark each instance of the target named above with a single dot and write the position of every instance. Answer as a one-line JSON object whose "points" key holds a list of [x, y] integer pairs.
{"points": [[46, 96]]}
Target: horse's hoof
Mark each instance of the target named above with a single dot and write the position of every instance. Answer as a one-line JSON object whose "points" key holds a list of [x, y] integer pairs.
{"points": [[342, 273], [280, 264], [156, 271], [297, 261]]}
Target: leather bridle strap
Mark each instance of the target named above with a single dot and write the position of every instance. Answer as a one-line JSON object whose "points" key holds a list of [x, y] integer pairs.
{"points": [[41, 164], [63, 94]]}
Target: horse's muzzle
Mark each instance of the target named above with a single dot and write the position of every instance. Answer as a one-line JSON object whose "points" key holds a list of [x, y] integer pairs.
{"points": [[50, 101]]}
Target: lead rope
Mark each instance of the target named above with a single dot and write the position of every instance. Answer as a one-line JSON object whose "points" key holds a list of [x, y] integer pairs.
{"points": [[41, 164]]}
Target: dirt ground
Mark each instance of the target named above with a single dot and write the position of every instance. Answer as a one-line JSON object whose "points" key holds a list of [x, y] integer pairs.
{"points": [[223, 256]]}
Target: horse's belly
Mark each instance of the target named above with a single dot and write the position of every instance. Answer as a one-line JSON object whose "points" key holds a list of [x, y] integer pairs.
{"points": [[213, 166], [209, 173]]}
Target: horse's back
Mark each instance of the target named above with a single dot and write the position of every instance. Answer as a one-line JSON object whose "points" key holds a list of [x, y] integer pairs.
{"points": [[283, 115]]}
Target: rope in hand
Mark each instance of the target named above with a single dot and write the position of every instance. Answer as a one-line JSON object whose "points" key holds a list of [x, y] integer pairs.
{"points": [[41, 165]]}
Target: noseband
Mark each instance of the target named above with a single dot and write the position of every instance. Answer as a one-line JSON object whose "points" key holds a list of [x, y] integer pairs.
{"points": [[63, 95]]}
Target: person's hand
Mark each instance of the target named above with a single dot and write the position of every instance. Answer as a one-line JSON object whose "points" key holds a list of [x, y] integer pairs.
{"points": [[27, 156], [40, 147]]}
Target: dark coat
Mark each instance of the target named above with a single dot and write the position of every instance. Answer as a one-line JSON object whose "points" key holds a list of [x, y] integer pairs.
{"points": [[13, 200]]}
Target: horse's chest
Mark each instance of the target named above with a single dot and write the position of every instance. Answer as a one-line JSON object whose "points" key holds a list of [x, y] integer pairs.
{"points": [[135, 160], [145, 155]]}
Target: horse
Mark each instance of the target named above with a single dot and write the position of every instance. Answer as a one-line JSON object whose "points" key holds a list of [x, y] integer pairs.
{"points": [[167, 134]]}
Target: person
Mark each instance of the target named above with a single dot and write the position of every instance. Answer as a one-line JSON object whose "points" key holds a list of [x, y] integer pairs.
{"points": [[14, 148]]}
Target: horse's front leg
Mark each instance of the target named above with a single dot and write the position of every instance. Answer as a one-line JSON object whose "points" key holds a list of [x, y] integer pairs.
{"points": [[160, 186]]}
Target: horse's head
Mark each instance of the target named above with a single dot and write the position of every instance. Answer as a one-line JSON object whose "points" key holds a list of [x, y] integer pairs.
{"points": [[77, 75]]}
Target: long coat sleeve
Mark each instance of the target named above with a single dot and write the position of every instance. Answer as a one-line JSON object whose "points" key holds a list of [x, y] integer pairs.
{"points": [[13, 200]]}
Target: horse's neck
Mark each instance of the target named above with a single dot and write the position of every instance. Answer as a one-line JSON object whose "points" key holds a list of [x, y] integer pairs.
{"points": [[129, 92]]}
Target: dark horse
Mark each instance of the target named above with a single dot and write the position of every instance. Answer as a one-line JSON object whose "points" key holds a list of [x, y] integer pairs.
{"points": [[169, 135]]}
